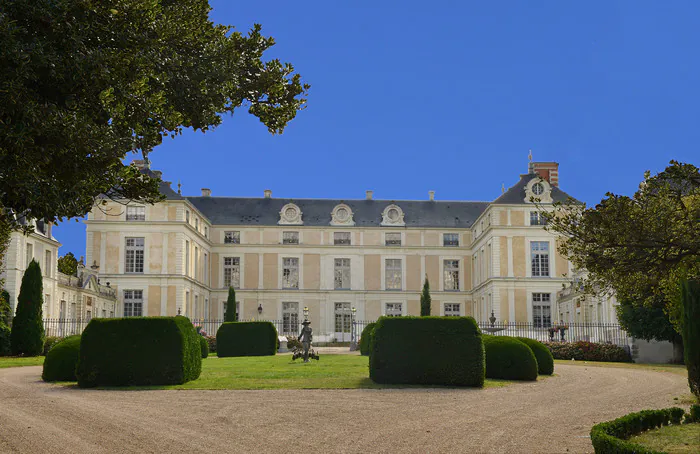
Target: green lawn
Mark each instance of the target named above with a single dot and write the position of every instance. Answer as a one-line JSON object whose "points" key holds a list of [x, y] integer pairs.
{"points": [[673, 368], [14, 361], [683, 438]]}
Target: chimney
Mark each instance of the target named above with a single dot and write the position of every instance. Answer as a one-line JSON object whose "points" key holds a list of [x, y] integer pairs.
{"points": [[431, 195], [548, 171], [206, 192], [368, 195], [268, 193]]}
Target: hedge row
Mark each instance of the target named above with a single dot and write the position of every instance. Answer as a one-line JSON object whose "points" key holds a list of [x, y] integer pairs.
{"points": [[545, 360], [366, 338], [508, 358], [428, 351], [139, 351], [62, 360], [589, 351], [246, 339], [612, 437]]}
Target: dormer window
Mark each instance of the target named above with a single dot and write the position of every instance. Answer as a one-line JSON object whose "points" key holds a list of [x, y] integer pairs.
{"points": [[135, 213]]}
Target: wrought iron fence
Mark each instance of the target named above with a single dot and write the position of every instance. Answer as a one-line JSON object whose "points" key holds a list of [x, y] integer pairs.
{"points": [[62, 327], [607, 333]]}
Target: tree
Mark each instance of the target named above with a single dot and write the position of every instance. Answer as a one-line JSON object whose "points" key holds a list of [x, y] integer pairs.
{"points": [[231, 315], [690, 295], [85, 82], [639, 247], [425, 299], [5, 307], [68, 264], [27, 337]]}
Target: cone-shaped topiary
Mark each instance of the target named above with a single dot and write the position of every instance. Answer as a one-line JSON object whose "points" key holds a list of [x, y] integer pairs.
{"points": [[508, 358], [205, 346], [61, 360], [230, 315], [27, 338], [425, 299], [690, 296], [545, 360], [365, 339]]}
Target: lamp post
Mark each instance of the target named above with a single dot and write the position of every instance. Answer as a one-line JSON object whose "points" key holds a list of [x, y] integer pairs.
{"points": [[259, 311], [353, 331]]}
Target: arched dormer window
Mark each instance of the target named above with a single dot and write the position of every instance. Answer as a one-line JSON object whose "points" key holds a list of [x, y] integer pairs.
{"points": [[393, 216]]}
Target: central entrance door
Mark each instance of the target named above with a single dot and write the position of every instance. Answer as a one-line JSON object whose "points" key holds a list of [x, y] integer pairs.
{"points": [[343, 322]]}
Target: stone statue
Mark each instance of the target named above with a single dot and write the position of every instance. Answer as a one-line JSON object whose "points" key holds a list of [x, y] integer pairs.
{"points": [[305, 337]]}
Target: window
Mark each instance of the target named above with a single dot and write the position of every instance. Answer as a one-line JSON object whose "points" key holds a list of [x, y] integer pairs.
{"points": [[232, 237], [196, 262], [41, 227], [238, 309], [196, 224], [341, 238], [392, 239], [134, 213], [290, 237], [452, 309], [343, 320], [541, 310], [394, 309], [290, 272], [451, 274], [290, 318], [47, 263], [104, 313], [47, 303], [536, 218], [134, 255], [232, 272], [393, 274], [30, 253], [187, 258], [133, 303], [187, 217], [450, 239], [195, 313], [342, 273], [206, 232], [88, 316], [206, 268], [539, 252]]}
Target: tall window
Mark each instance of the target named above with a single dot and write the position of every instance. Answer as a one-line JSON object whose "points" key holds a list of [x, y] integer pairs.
{"points": [[392, 239], [187, 258], [206, 268], [539, 252], [47, 263], [206, 231], [134, 213], [450, 239], [290, 237], [196, 306], [30, 253], [187, 217], [290, 272], [536, 218], [232, 237], [196, 262], [134, 255], [196, 224], [342, 273], [341, 239], [393, 274], [541, 310], [290, 318], [394, 309], [133, 303], [343, 319], [451, 274], [232, 272], [452, 310]]}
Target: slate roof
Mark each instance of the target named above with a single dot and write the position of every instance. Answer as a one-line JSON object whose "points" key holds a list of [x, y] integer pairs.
{"points": [[516, 194]]}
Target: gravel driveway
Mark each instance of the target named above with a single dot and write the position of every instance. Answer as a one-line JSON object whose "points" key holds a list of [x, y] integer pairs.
{"points": [[550, 416]]}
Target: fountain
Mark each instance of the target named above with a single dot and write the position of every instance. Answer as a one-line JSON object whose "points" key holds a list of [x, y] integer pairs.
{"points": [[492, 329]]}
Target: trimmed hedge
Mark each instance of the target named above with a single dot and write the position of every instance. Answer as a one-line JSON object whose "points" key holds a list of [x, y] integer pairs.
{"points": [[509, 358], [545, 360], [139, 351], [588, 351], [5, 349], [246, 339], [366, 338], [204, 345], [612, 437], [427, 351], [49, 343], [61, 360]]}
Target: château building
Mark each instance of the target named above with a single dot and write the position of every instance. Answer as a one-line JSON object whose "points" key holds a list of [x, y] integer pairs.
{"points": [[284, 254]]}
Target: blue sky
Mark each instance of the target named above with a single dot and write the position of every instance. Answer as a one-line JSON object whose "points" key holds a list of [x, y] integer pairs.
{"points": [[449, 96]]}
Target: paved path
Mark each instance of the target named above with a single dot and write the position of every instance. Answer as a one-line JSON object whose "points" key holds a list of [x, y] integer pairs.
{"points": [[550, 416]]}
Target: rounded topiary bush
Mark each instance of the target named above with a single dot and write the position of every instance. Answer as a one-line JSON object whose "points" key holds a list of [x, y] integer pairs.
{"points": [[205, 346], [365, 338], [508, 358], [61, 360], [545, 360]]}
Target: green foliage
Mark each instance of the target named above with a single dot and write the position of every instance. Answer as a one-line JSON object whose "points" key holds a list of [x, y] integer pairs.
{"points": [[589, 351], [5, 343], [84, 83], [545, 360], [139, 351], [425, 299], [27, 326], [49, 343], [611, 437], [204, 346], [508, 358], [231, 315], [694, 414], [366, 339], [428, 351], [211, 343], [640, 247], [690, 297], [648, 320], [62, 360], [246, 339], [5, 308], [68, 264]]}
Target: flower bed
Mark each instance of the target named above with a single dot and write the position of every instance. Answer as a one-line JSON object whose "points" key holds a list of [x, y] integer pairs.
{"points": [[589, 351]]}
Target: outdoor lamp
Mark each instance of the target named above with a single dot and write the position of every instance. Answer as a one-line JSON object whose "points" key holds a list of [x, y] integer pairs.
{"points": [[353, 311], [259, 309], [306, 312]]}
